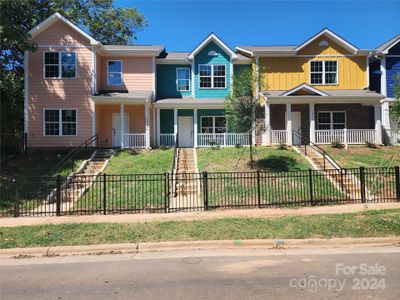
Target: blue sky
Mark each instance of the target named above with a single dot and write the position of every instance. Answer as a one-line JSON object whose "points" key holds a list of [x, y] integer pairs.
{"points": [[181, 25]]}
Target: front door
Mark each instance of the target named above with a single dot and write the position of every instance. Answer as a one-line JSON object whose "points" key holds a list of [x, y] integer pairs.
{"points": [[116, 128], [185, 132], [296, 124]]}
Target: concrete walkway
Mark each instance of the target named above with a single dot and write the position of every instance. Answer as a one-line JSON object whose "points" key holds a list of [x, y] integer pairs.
{"points": [[200, 215]]}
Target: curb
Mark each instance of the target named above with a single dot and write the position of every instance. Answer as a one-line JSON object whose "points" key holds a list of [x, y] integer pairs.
{"points": [[266, 244]]}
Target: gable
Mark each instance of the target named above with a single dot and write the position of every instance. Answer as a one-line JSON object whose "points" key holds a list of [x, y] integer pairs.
{"points": [[204, 56], [60, 33], [395, 49], [314, 47]]}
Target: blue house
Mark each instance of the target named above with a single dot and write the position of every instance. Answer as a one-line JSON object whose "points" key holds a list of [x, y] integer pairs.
{"points": [[383, 69], [191, 89]]}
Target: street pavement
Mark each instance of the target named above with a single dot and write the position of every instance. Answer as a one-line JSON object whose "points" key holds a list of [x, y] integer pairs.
{"points": [[348, 273]]}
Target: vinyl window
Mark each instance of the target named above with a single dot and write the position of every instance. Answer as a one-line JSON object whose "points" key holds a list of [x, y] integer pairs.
{"points": [[329, 120], [212, 76], [114, 72], [60, 122], [59, 65], [213, 124], [324, 72], [183, 79]]}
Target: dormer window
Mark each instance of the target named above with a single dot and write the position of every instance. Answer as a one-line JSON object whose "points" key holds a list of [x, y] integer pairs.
{"points": [[212, 76], [323, 72]]}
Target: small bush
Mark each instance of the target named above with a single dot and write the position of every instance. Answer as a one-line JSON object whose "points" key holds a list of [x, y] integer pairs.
{"points": [[282, 146], [238, 146], [214, 145], [163, 147], [337, 145], [370, 145], [133, 151]]}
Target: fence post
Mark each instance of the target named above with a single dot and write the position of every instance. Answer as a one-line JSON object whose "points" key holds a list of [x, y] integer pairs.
{"points": [[397, 174], [104, 194], [58, 196], [166, 191], [310, 175], [258, 189], [362, 184], [205, 190], [16, 203]]}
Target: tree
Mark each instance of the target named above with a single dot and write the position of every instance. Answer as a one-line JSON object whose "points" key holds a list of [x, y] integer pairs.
{"points": [[103, 21], [241, 105]]}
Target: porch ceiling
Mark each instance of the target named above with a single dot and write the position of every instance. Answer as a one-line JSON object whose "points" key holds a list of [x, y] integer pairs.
{"points": [[190, 103]]}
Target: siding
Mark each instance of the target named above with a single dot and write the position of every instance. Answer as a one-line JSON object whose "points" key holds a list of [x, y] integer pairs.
{"points": [[166, 82], [375, 76], [222, 58], [166, 121], [392, 69]]}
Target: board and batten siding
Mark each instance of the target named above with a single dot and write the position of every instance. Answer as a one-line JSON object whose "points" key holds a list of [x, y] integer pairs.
{"points": [[60, 93], [166, 82], [221, 58], [285, 73]]}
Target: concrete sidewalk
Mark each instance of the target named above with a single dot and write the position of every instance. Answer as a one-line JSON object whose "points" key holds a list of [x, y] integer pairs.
{"points": [[201, 215]]}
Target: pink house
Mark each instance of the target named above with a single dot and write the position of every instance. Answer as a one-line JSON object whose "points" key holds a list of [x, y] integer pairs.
{"points": [[76, 87]]}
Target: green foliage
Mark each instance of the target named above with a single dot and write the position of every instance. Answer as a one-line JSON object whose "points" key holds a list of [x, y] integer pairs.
{"points": [[103, 21], [395, 106], [370, 145], [282, 146], [337, 144]]}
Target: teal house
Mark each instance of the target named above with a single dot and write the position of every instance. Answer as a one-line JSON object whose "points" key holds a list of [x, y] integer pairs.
{"points": [[191, 89]]}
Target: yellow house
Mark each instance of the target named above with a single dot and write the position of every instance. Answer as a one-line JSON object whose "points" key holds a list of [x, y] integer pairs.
{"points": [[316, 92]]}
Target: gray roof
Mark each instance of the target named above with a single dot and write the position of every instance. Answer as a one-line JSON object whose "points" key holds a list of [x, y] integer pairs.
{"points": [[387, 44], [133, 47], [332, 93], [268, 48], [126, 94], [174, 55], [243, 58]]}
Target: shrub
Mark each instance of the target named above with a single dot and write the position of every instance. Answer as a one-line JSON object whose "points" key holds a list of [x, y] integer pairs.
{"points": [[214, 145], [282, 146], [238, 146], [337, 145], [370, 144], [163, 147]]}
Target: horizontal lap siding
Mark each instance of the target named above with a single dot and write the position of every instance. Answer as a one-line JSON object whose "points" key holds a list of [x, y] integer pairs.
{"points": [[392, 70], [60, 93], [166, 82]]}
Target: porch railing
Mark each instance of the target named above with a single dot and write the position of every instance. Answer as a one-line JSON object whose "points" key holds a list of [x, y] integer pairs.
{"points": [[345, 136], [134, 140], [167, 139], [275, 137], [222, 139]]}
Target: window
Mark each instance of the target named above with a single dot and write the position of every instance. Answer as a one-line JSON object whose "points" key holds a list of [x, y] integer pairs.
{"points": [[212, 76], [323, 72], [183, 79], [59, 65], [213, 125], [114, 71], [331, 120], [59, 122]]}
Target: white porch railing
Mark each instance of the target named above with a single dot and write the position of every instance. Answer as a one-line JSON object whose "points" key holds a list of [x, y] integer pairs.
{"points": [[134, 140], [222, 139], [274, 137], [345, 136], [394, 137], [167, 139]]}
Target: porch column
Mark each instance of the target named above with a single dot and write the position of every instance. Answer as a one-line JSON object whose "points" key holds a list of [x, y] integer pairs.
{"points": [[312, 122], [122, 112], [378, 123], [94, 124], [385, 121], [147, 116], [175, 125], [158, 127], [289, 124], [267, 118], [195, 128]]}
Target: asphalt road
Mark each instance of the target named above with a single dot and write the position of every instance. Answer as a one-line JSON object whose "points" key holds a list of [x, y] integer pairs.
{"points": [[368, 273]]}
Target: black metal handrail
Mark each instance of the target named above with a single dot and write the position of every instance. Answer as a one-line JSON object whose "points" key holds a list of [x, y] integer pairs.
{"points": [[71, 156], [317, 148]]}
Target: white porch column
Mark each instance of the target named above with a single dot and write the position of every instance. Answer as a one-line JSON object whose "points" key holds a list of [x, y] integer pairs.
{"points": [[147, 116], [312, 122], [158, 127], [289, 124], [175, 125], [195, 128], [378, 123], [267, 119], [122, 118]]}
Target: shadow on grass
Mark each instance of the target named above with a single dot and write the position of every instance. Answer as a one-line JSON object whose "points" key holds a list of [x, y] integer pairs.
{"points": [[277, 163]]}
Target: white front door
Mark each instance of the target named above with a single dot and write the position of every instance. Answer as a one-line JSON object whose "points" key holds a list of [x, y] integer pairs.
{"points": [[185, 132], [296, 125], [116, 128]]}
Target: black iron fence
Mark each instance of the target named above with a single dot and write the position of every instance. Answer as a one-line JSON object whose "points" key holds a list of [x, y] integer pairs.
{"points": [[147, 193]]}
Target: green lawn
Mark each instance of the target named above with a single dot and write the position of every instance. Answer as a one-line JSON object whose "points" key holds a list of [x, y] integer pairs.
{"points": [[367, 224], [237, 159], [357, 156]]}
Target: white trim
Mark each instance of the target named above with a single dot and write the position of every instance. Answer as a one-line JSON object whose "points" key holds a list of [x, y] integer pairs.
{"points": [[154, 78], [147, 120], [59, 122], [51, 20], [94, 120], [324, 72], [158, 126], [378, 123], [26, 91], [220, 43], [307, 87], [330, 34], [383, 76], [311, 110], [367, 71], [331, 119], [244, 50], [193, 80], [175, 125], [258, 75], [65, 46], [176, 81], [122, 80], [195, 129], [289, 125], [122, 120], [59, 65], [94, 72], [230, 74], [212, 77], [386, 50]]}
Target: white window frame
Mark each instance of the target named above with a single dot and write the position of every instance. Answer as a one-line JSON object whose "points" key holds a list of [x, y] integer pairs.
{"points": [[108, 78], [59, 65], [213, 124], [331, 119], [177, 79], [60, 122], [212, 77], [324, 72]]}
